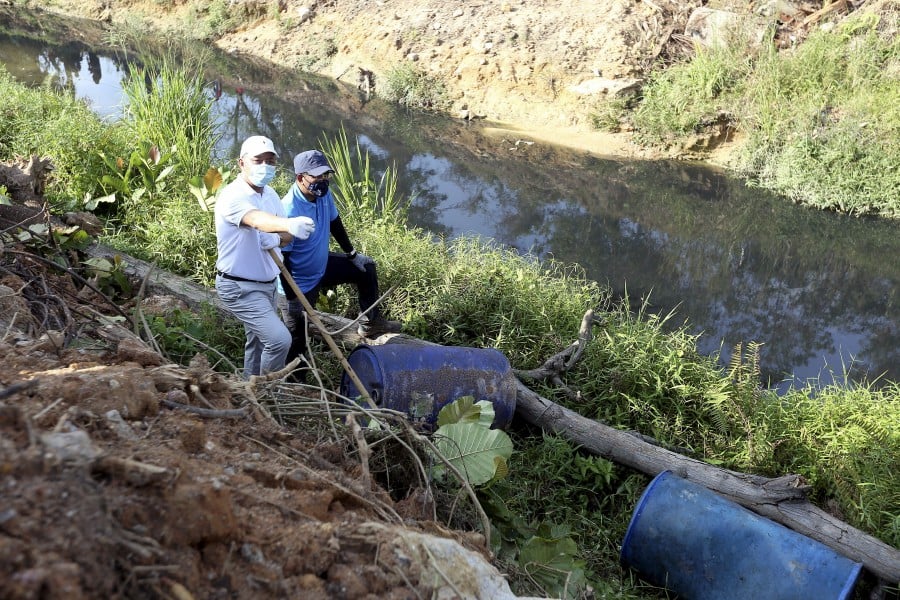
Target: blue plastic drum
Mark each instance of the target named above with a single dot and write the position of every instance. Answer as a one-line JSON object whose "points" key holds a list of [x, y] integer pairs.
{"points": [[420, 380], [702, 546]]}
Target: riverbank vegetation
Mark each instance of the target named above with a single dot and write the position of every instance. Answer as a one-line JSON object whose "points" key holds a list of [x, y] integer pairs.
{"points": [[635, 375], [820, 122]]}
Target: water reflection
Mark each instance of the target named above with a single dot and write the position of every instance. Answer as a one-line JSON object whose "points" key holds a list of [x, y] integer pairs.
{"points": [[819, 291], [73, 66]]}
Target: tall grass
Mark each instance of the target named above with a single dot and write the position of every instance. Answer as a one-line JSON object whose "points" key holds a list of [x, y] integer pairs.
{"points": [[686, 97], [167, 106], [845, 442], [411, 87], [359, 192], [52, 122], [821, 121], [158, 219]]}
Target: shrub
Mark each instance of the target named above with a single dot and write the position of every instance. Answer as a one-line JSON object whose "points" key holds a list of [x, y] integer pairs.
{"points": [[411, 87], [53, 123]]}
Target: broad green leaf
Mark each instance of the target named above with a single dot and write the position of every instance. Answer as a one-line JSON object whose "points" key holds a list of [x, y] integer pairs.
{"points": [[552, 563], [472, 448], [114, 182], [501, 467], [164, 173], [487, 415], [461, 410], [78, 239], [466, 410], [99, 266]]}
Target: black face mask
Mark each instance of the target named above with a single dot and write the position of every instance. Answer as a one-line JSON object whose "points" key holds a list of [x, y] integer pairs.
{"points": [[318, 188]]}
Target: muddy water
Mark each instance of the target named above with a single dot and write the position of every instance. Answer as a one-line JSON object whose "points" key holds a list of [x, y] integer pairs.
{"points": [[819, 291]]}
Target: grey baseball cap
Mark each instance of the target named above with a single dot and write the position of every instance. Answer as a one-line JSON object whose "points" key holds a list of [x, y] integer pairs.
{"points": [[312, 162]]}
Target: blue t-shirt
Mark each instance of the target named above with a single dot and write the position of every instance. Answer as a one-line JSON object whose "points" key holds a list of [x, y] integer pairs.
{"points": [[306, 259]]}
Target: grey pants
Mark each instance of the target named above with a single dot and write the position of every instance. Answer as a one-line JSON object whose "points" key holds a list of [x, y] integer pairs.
{"points": [[255, 305]]}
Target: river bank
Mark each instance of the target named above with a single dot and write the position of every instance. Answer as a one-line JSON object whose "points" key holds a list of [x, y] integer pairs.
{"points": [[558, 73], [530, 71]]}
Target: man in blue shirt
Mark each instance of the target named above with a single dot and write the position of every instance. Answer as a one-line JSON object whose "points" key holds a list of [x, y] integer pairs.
{"points": [[311, 264]]}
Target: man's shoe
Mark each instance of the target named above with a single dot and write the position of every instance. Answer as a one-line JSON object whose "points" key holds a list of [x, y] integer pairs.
{"points": [[372, 329]]}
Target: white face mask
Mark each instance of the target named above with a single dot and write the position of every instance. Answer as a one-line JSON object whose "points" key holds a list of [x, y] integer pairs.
{"points": [[261, 174]]}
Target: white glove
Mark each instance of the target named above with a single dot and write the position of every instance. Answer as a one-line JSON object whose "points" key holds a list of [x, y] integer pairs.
{"points": [[360, 260], [267, 241], [301, 227]]}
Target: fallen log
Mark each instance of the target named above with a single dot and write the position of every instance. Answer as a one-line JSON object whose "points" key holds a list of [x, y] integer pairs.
{"points": [[782, 499]]}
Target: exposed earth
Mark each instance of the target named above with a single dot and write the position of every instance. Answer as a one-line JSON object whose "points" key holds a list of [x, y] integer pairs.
{"points": [[127, 476], [107, 491], [536, 70], [523, 70]]}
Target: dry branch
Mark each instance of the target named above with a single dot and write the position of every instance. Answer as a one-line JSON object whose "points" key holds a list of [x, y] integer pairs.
{"points": [[782, 499], [208, 413], [133, 472]]}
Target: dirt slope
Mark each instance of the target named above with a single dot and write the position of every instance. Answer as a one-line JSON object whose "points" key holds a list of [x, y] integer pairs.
{"points": [[519, 67], [539, 68], [124, 476]]}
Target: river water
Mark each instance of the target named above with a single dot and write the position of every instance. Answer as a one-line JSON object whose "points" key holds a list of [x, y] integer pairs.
{"points": [[735, 264]]}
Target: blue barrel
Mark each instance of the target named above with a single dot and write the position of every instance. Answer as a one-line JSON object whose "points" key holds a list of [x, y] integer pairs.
{"points": [[702, 546], [419, 380]]}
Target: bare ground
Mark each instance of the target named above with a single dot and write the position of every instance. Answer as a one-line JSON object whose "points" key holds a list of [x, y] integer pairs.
{"points": [[529, 69], [110, 488]]}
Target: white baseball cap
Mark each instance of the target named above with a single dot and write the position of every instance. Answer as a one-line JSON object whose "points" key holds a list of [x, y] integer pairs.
{"points": [[256, 145]]}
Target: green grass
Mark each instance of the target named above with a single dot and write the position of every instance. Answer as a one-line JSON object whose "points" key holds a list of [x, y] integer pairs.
{"points": [[413, 88], [686, 97], [824, 122], [845, 442], [360, 196], [821, 120], [156, 217], [168, 107], [51, 122]]}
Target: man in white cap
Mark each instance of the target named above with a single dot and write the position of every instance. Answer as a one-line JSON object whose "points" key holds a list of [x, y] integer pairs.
{"points": [[249, 222], [310, 263]]}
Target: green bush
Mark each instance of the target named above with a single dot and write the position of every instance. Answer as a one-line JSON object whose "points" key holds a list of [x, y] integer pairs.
{"points": [[411, 87], [168, 107], [53, 123], [684, 98], [821, 121], [845, 443]]}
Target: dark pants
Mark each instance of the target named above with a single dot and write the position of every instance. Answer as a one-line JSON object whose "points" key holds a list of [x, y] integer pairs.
{"points": [[339, 270]]}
